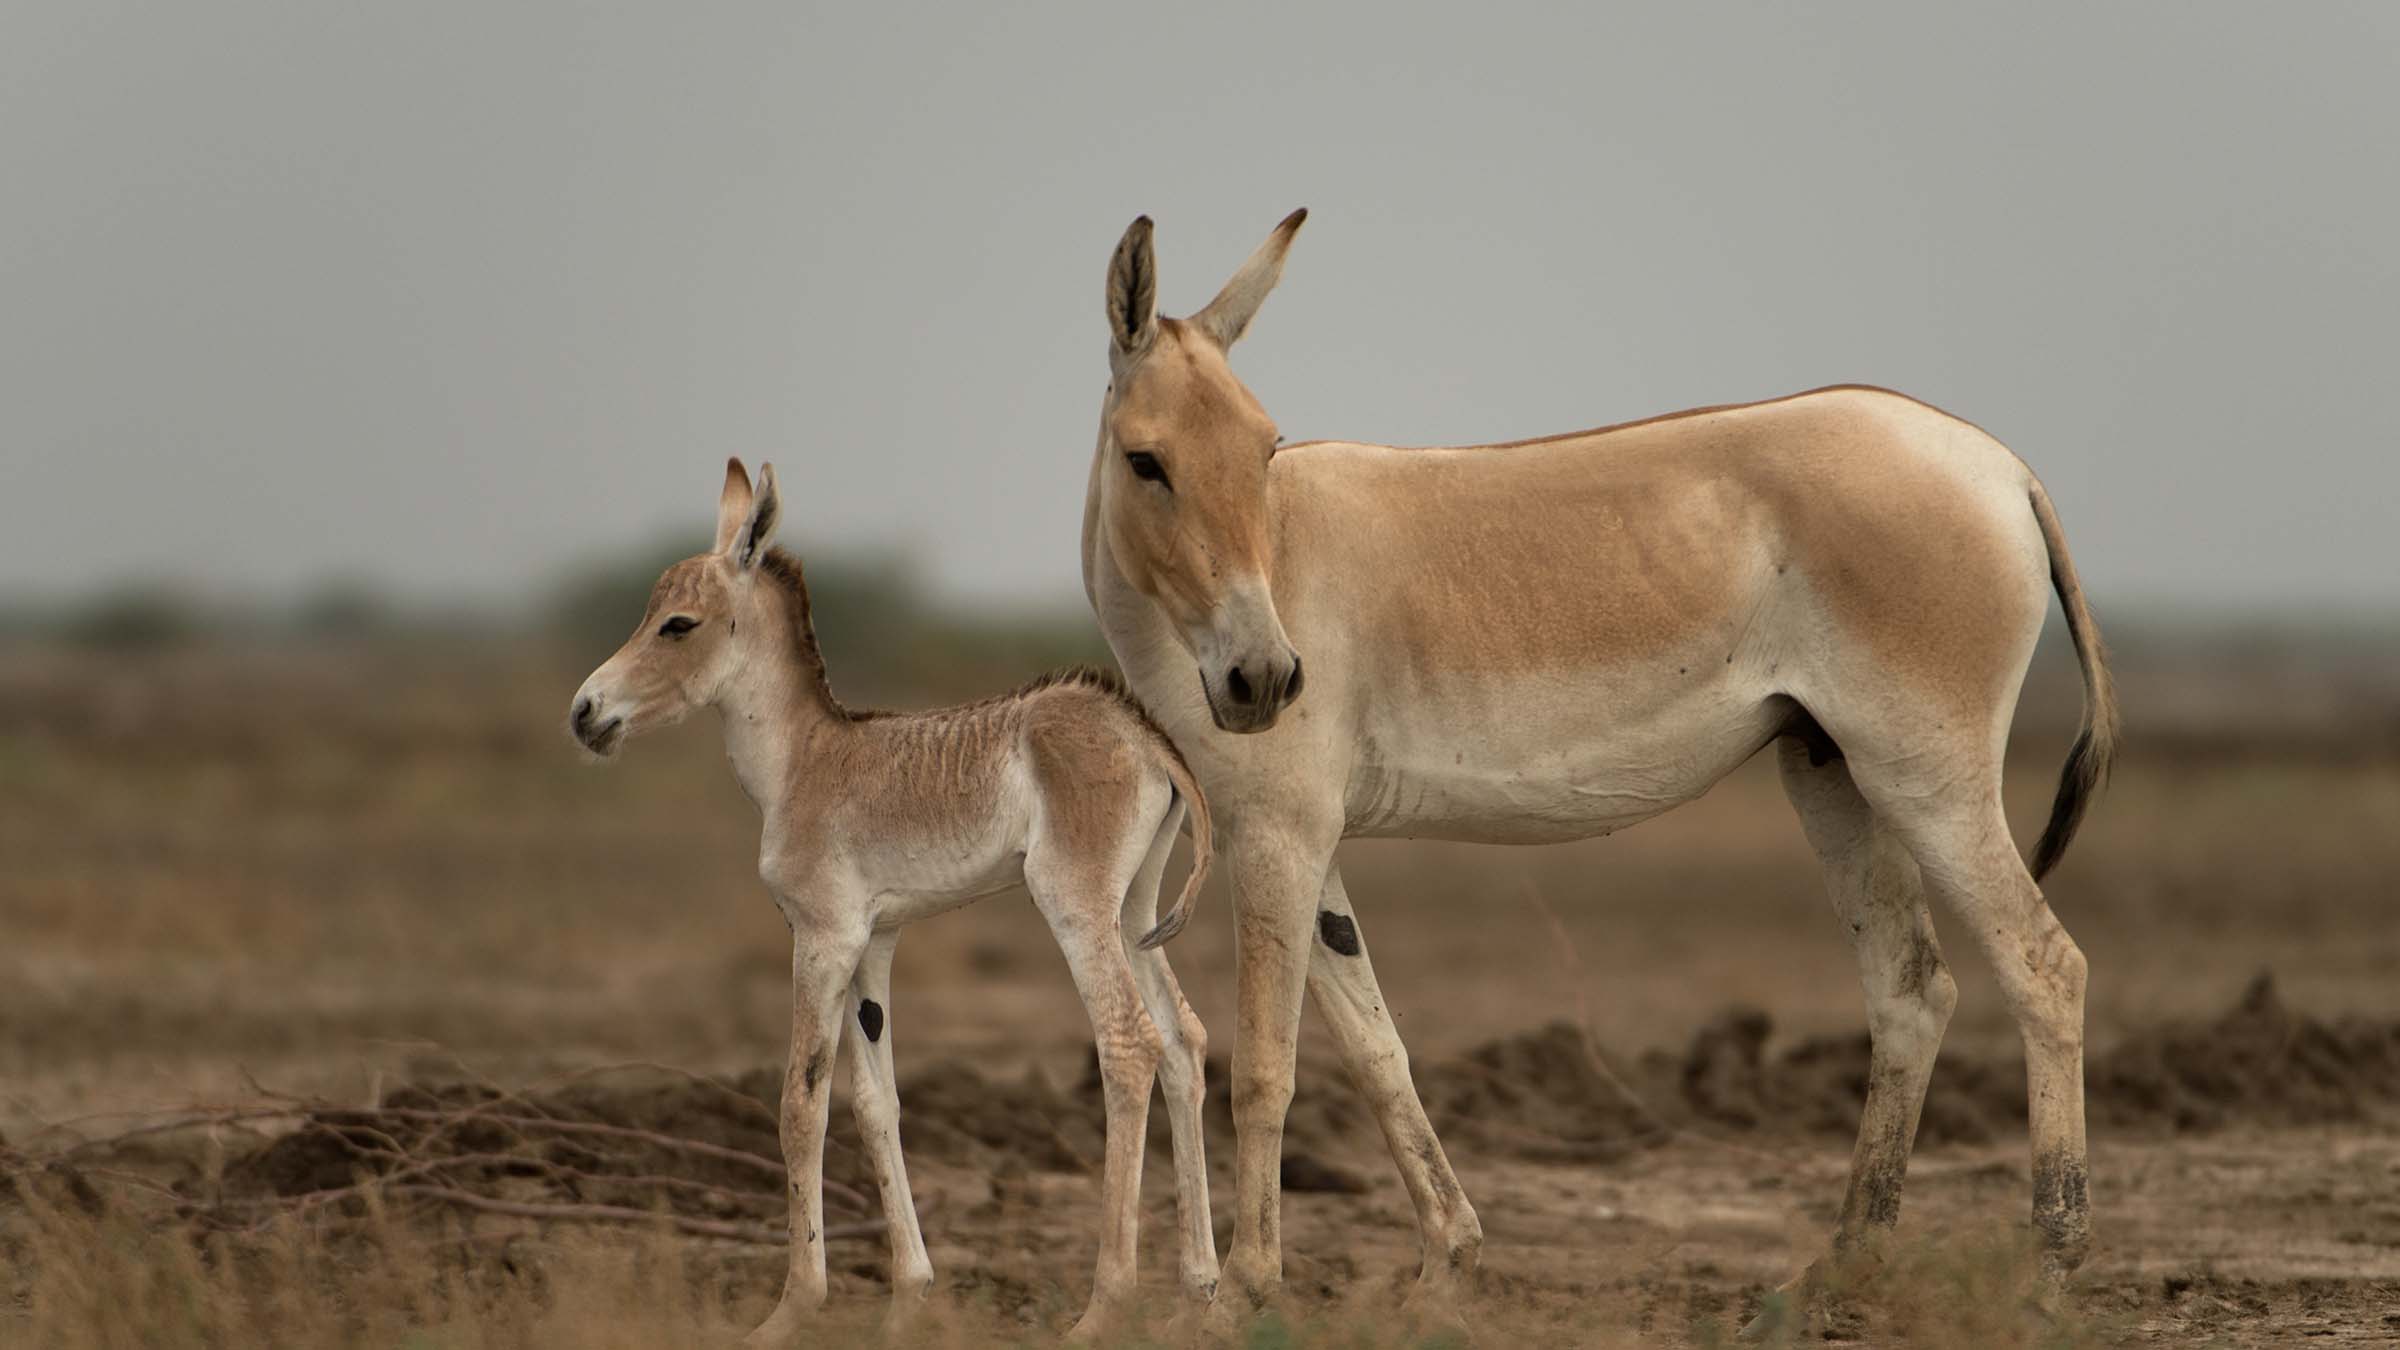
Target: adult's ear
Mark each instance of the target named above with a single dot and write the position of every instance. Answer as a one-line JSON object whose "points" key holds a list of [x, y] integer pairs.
{"points": [[1133, 292], [1228, 316], [733, 504], [758, 528]]}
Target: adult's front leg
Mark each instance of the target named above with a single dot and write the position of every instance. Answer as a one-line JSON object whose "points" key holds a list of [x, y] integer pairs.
{"points": [[1341, 981], [875, 1099], [824, 958], [1278, 864]]}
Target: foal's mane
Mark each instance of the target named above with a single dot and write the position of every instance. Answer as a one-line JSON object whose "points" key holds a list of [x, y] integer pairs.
{"points": [[781, 567]]}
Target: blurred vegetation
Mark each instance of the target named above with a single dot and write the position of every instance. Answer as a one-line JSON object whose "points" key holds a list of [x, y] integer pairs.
{"points": [[141, 616], [890, 640], [886, 636]]}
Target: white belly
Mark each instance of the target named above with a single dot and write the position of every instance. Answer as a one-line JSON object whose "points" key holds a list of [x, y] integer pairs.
{"points": [[1546, 769], [920, 873]]}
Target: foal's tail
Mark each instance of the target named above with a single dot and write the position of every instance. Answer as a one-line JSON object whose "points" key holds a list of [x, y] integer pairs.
{"points": [[1180, 775], [2087, 764]]}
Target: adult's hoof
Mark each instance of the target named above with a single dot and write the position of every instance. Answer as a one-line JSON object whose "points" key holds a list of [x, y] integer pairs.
{"points": [[1434, 1312]]}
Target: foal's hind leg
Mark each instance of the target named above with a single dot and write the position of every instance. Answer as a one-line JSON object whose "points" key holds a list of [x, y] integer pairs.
{"points": [[1082, 899], [1182, 1068], [1954, 828], [1874, 888]]}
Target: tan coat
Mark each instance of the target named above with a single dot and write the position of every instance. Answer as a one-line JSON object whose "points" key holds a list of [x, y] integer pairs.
{"points": [[874, 820], [1554, 639]]}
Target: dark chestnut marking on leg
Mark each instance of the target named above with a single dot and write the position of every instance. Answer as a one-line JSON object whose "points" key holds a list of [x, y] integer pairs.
{"points": [[1339, 932], [814, 1073], [870, 1019]]}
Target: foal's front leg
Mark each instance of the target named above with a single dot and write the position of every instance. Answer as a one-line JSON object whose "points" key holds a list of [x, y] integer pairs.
{"points": [[875, 1098], [824, 957]]}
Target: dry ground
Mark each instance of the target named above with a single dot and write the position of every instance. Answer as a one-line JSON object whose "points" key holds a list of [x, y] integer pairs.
{"points": [[335, 870]]}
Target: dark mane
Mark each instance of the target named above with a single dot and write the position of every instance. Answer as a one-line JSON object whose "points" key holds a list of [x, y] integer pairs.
{"points": [[784, 570], [1081, 677]]}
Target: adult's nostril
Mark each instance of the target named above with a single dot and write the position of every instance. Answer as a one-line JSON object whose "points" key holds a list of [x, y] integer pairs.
{"points": [[1291, 688], [582, 716], [1237, 687]]}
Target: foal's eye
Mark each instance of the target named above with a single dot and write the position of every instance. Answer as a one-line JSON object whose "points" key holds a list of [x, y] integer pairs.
{"points": [[677, 626], [1146, 467]]}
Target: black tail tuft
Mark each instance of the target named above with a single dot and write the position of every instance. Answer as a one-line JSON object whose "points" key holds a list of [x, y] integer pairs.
{"points": [[2087, 764], [2078, 782]]}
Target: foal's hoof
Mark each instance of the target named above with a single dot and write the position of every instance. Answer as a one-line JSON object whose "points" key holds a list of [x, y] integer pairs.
{"points": [[1101, 1321], [782, 1329], [1229, 1317], [1790, 1312], [908, 1316], [1777, 1322]]}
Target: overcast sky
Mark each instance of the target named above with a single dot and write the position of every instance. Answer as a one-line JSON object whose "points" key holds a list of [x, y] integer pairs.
{"points": [[447, 297]]}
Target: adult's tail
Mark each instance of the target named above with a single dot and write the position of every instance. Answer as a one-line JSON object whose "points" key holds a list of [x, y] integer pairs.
{"points": [[2087, 764], [1203, 847]]}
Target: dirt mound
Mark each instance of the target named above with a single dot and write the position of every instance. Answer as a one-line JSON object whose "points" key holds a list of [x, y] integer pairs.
{"points": [[1550, 1094], [2261, 1062], [1546, 1095], [952, 1112], [1725, 1080], [633, 1144], [617, 1147]]}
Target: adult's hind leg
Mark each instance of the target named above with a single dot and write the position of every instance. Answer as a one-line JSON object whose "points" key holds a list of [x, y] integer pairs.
{"points": [[1873, 884], [1182, 1066], [1948, 815], [1342, 982]]}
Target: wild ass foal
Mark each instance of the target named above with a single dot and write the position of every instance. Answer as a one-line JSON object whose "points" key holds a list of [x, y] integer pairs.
{"points": [[1556, 638], [876, 819]]}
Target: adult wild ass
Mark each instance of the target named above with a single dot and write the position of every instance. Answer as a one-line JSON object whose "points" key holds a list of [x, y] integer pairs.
{"points": [[874, 820], [1554, 639]]}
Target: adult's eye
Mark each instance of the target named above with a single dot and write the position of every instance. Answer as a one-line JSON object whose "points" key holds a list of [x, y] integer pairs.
{"points": [[1146, 467], [677, 626]]}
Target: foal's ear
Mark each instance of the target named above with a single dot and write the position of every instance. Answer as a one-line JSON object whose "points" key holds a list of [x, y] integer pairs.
{"points": [[758, 526], [733, 504], [1133, 291], [1228, 316]]}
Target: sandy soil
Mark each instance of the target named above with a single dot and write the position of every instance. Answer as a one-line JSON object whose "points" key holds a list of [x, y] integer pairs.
{"points": [[354, 876]]}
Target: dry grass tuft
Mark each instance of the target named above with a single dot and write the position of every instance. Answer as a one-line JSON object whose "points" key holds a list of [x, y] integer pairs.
{"points": [[1980, 1287], [627, 1145], [114, 1282]]}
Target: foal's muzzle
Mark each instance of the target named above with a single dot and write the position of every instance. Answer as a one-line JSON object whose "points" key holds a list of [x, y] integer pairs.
{"points": [[592, 731]]}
